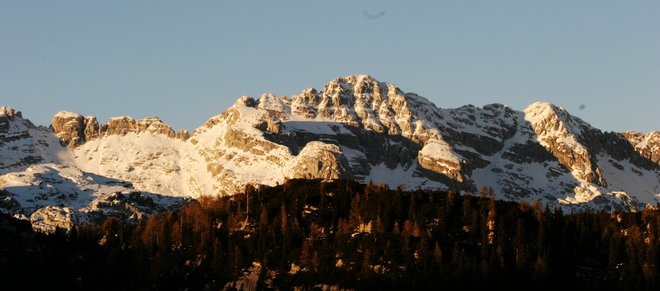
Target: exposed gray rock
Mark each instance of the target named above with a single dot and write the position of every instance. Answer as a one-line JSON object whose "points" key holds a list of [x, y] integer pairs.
{"points": [[320, 160]]}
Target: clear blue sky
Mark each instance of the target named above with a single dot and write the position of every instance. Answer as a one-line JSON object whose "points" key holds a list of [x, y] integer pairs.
{"points": [[186, 61]]}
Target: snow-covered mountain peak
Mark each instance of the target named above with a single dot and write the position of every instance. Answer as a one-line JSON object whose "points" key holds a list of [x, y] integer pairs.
{"points": [[245, 101], [356, 101], [555, 118], [351, 82], [462, 147], [567, 138], [355, 128]]}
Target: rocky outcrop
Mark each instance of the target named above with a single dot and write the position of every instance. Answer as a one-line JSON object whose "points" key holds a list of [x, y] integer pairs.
{"points": [[124, 125], [437, 156], [7, 114], [48, 219], [69, 127], [126, 206], [646, 144], [320, 160], [92, 128], [74, 129], [304, 103], [363, 102], [239, 139], [183, 135]]}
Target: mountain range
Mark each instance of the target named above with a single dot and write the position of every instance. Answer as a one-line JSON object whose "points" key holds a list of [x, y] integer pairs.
{"points": [[356, 128]]}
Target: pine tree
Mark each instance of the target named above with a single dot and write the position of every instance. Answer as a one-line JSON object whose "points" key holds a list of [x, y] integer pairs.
{"points": [[437, 254]]}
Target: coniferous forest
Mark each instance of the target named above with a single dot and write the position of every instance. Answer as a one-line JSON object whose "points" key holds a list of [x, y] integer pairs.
{"points": [[314, 234]]}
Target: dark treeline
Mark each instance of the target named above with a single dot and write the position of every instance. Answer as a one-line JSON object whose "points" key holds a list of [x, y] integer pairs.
{"points": [[310, 233]]}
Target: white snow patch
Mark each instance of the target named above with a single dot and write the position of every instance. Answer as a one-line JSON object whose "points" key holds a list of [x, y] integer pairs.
{"points": [[151, 162], [67, 114], [640, 183], [439, 149], [381, 174]]}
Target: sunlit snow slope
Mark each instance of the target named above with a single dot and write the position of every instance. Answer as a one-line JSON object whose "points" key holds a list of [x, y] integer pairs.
{"points": [[355, 128]]}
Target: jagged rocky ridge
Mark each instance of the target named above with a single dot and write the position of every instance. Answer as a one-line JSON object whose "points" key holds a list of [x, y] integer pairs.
{"points": [[355, 128], [74, 129]]}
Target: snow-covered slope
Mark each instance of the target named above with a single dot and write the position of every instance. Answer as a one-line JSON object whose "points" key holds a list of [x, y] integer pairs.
{"points": [[355, 128], [40, 179]]}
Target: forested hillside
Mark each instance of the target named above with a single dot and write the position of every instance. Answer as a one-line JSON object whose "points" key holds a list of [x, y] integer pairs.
{"points": [[310, 233]]}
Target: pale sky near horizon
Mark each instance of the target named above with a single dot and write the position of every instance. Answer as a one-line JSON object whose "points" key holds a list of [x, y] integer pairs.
{"points": [[186, 61]]}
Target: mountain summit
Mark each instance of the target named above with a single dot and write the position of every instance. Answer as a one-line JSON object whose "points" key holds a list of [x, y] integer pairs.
{"points": [[355, 128]]}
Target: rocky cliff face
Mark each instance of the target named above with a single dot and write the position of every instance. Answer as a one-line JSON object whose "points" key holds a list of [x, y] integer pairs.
{"points": [[319, 160], [48, 219], [74, 129], [564, 137], [646, 144], [363, 129], [71, 128]]}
